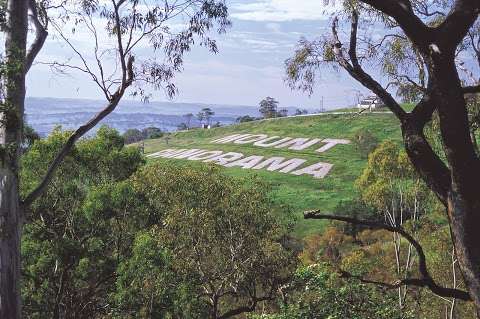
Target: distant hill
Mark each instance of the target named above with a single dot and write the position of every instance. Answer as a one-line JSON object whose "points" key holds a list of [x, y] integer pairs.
{"points": [[46, 113], [302, 192]]}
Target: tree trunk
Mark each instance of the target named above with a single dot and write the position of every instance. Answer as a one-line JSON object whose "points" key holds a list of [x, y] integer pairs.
{"points": [[474, 141], [10, 139], [215, 308], [456, 185], [465, 222], [463, 200]]}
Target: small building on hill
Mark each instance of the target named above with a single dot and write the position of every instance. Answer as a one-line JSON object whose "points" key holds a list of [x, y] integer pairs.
{"points": [[370, 103]]}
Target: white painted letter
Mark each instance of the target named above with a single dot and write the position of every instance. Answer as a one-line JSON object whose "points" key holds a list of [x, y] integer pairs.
{"points": [[247, 162], [173, 153], [163, 153], [331, 143], [204, 155], [225, 158], [263, 143], [299, 143], [230, 138], [187, 153], [277, 163], [319, 170], [250, 139]]}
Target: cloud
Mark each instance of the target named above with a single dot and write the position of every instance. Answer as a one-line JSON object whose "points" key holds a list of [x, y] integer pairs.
{"points": [[253, 41], [274, 27], [285, 10]]}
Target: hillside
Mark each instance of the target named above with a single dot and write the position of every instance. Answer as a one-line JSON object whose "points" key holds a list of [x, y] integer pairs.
{"points": [[300, 192]]}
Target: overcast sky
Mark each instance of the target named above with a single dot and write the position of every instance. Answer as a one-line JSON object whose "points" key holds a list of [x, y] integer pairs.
{"points": [[249, 66]]}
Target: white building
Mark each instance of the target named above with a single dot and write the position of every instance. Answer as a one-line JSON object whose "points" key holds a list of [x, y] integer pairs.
{"points": [[371, 102]]}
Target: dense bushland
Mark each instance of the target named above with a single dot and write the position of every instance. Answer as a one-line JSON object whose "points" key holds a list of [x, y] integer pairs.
{"points": [[115, 238]]}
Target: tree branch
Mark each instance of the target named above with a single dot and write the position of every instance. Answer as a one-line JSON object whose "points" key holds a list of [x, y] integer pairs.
{"points": [[251, 307], [399, 283], [80, 132], [41, 35], [356, 71], [82, 58], [426, 162], [471, 89], [116, 7], [425, 281], [402, 12], [455, 27]]}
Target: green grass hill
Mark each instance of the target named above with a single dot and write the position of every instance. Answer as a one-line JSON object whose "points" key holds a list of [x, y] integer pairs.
{"points": [[299, 192]]}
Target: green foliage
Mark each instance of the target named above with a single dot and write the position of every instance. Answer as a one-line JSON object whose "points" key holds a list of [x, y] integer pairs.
{"points": [[29, 137], [109, 240], [147, 285], [397, 65], [323, 294], [152, 132], [365, 142], [389, 180], [133, 136], [245, 118], [308, 58], [355, 208], [205, 115], [409, 93], [268, 107], [77, 232], [224, 240], [301, 111]]}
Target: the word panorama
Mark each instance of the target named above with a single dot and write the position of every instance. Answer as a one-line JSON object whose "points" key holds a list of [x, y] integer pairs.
{"points": [[294, 166], [296, 144]]}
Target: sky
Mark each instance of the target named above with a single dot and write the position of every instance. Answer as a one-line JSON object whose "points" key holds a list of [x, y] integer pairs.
{"points": [[248, 67]]}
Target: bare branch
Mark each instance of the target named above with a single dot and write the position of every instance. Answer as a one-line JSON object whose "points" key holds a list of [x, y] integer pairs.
{"points": [[60, 67], [402, 12], [41, 35], [399, 77], [356, 70], [82, 58], [475, 45], [89, 24], [399, 283], [471, 89], [426, 280], [116, 7], [249, 308]]}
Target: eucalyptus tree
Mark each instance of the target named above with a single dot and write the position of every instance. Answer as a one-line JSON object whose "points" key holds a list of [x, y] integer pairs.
{"points": [[208, 113], [118, 31], [431, 50], [226, 243], [81, 228], [17, 61], [268, 107], [188, 118]]}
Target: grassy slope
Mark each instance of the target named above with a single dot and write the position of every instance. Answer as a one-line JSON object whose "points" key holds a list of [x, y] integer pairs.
{"points": [[299, 192]]}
